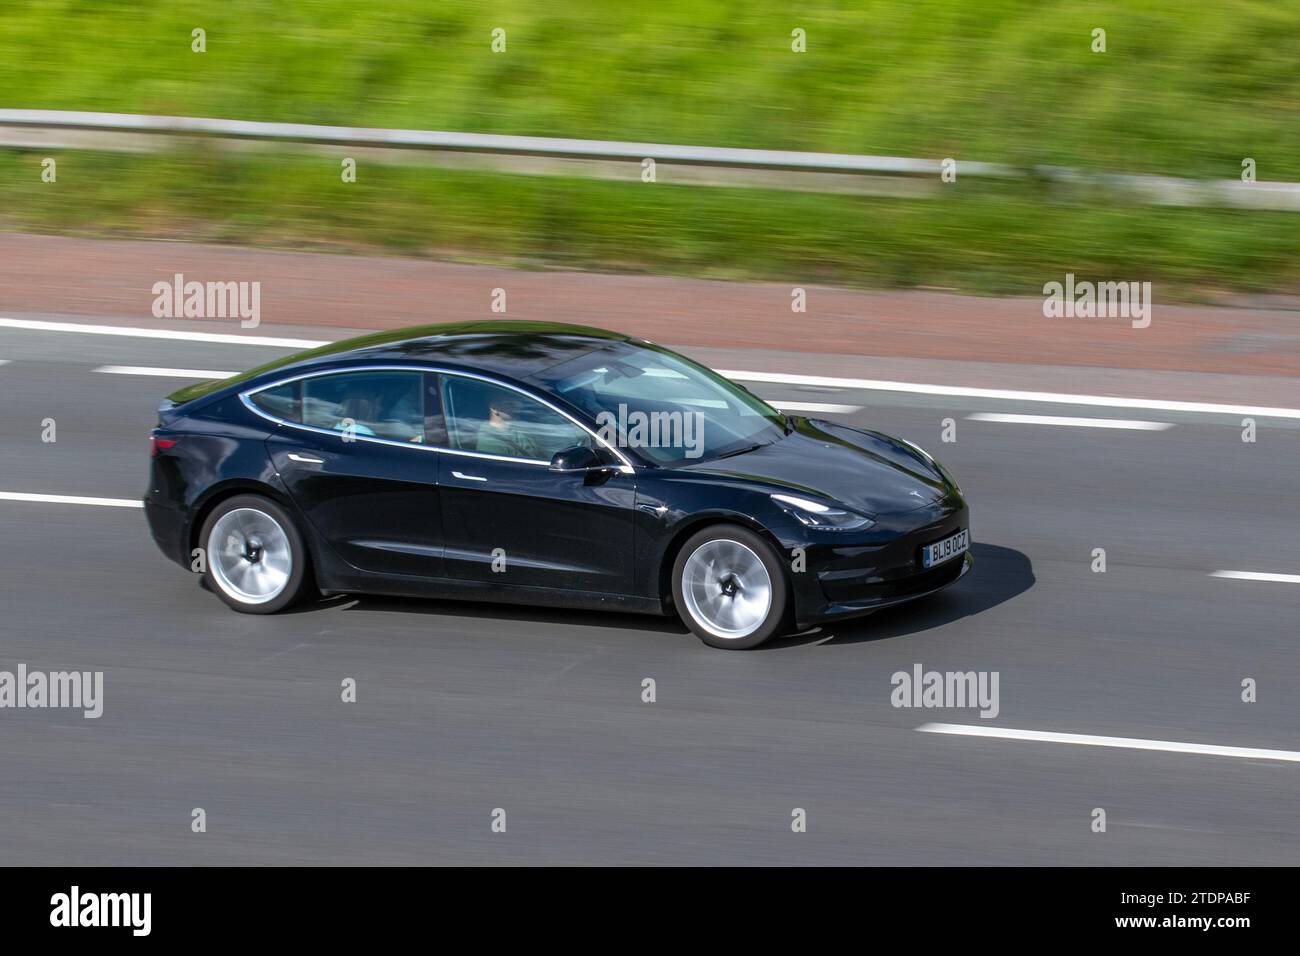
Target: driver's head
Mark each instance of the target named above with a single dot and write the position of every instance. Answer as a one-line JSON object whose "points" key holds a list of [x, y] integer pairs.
{"points": [[503, 408]]}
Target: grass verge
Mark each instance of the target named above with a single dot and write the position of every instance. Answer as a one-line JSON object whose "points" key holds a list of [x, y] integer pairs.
{"points": [[984, 238]]}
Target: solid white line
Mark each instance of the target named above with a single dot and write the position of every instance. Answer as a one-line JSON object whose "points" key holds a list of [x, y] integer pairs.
{"points": [[816, 407], [1257, 576], [223, 337], [72, 500], [1055, 398], [1127, 743], [203, 373], [1076, 422], [776, 378]]}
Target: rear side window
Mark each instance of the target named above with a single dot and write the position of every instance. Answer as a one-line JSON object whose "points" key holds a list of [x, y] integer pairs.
{"points": [[379, 404], [383, 404], [283, 401]]}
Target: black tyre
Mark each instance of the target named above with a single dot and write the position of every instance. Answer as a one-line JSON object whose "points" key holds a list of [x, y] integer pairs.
{"points": [[255, 559], [730, 587]]}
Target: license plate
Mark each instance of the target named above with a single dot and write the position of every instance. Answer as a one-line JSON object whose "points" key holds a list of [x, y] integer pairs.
{"points": [[945, 550]]}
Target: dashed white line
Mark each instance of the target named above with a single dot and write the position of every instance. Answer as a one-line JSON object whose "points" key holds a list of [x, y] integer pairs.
{"points": [[202, 373], [72, 500], [1127, 743], [825, 407], [1073, 422], [1257, 576], [226, 338], [1051, 398]]}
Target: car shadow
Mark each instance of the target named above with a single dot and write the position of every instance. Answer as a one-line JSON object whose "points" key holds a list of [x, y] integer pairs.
{"points": [[999, 575], [479, 609], [571, 617]]}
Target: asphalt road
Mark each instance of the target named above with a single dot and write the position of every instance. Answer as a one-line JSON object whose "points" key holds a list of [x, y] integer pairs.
{"points": [[464, 708]]}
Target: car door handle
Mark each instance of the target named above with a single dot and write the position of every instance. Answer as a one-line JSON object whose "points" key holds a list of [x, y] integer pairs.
{"points": [[464, 477], [294, 456]]}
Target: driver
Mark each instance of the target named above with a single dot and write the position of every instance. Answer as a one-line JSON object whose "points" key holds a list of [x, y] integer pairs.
{"points": [[501, 434]]}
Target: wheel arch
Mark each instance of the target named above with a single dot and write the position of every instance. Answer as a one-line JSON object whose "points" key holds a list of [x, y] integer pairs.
{"points": [[698, 523], [226, 490]]}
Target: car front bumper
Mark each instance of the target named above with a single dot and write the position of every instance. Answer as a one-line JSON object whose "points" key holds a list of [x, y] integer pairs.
{"points": [[846, 579]]}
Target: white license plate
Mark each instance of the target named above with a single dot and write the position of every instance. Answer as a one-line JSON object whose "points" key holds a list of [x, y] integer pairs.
{"points": [[944, 550]]}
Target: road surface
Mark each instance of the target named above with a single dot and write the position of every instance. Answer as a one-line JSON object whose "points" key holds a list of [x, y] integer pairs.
{"points": [[465, 708]]}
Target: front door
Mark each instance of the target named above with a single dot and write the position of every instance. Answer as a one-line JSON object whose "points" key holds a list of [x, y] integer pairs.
{"points": [[506, 517]]}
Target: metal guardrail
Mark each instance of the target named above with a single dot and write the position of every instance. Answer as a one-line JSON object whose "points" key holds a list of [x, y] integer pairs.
{"points": [[489, 143], [807, 171]]}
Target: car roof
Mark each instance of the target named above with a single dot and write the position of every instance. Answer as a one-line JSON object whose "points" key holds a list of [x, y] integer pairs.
{"points": [[512, 348], [508, 347]]}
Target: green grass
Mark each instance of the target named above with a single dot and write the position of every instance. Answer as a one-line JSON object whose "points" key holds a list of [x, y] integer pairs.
{"points": [[1003, 238], [1183, 89]]}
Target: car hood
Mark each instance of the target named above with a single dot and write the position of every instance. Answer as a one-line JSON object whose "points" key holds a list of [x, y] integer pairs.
{"points": [[867, 471]]}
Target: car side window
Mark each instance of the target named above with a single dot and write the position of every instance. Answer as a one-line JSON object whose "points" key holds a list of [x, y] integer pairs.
{"points": [[283, 401], [493, 420], [380, 404]]}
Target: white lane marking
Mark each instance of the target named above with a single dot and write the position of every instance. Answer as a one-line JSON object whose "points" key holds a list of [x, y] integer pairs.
{"points": [[826, 407], [1053, 398], [223, 337], [1076, 422], [1127, 743], [776, 378], [1257, 576], [204, 373], [72, 500]]}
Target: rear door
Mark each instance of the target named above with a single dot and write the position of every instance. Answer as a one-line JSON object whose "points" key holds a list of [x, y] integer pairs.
{"points": [[353, 450]]}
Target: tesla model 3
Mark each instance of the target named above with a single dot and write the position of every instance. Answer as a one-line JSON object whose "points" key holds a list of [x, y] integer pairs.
{"points": [[543, 464]]}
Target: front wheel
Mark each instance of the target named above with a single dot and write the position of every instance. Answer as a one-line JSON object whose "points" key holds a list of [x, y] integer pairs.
{"points": [[730, 588], [256, 560]]}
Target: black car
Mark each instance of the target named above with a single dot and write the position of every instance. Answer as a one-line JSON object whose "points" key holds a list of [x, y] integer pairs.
{"points": [[549, 465]]}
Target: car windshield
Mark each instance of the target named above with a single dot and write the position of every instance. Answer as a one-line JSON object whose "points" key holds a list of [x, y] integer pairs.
{"points": [[670, 409]]}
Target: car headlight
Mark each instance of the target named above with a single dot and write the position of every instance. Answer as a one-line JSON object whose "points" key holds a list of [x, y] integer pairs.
{"points": [[814, 514]]}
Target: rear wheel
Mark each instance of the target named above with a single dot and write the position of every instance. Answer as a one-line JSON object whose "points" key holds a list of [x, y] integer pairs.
{"points": [[730, 588], [255, 558]]}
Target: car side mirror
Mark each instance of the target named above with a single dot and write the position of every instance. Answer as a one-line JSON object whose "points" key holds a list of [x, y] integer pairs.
{"points": [[577, 458]]}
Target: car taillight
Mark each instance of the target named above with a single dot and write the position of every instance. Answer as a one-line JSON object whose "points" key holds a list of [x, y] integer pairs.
{"points": [[157, 444]]}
